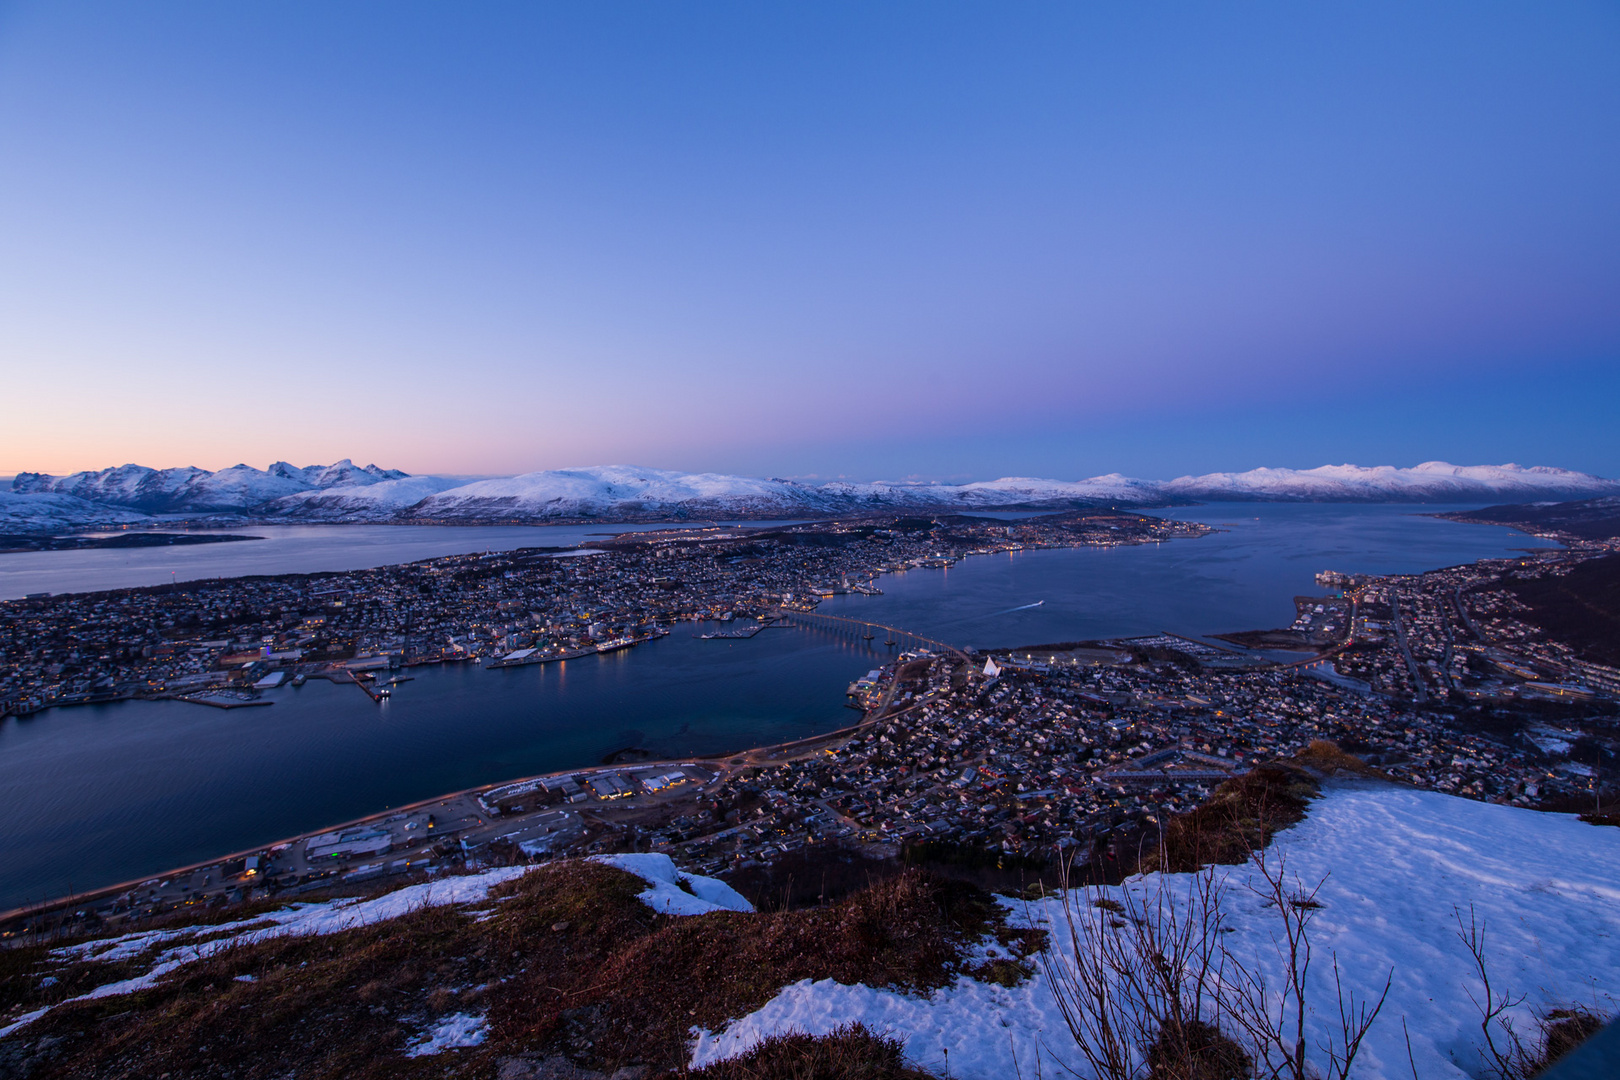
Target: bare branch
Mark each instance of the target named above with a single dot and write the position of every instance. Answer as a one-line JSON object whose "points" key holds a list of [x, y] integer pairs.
{"points": [[1513, 1061]]}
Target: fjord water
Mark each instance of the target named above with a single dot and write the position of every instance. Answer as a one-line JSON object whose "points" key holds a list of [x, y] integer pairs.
{"points": [[1243, 577], [283, 549], [100, 794]]}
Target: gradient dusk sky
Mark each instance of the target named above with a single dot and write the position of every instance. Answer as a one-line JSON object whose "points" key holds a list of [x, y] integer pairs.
{"points": [[873, 240]]}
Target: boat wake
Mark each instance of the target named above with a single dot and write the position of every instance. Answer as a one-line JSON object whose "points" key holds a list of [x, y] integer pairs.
{"points": [[1021, 607]]}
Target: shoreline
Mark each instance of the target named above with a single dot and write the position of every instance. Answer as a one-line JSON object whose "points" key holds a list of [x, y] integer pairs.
{"points": [[755, 753], [750, 755]]}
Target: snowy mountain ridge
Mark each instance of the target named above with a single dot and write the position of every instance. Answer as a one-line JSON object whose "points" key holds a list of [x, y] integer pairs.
{"points": [[1430, 481], [347, 492], [194, 490]]}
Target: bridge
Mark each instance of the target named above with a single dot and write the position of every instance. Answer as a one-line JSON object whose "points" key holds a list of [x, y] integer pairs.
{"points": [[860, 628]]}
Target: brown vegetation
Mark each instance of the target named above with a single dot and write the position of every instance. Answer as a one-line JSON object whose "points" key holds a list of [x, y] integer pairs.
{"points": [[1240, 817], [565, 962], [1581, 608], [909, 931]]}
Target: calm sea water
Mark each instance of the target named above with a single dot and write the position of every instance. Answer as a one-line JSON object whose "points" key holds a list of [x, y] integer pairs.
{"points": [[102, 794], [282, 549], [1241, 578]]}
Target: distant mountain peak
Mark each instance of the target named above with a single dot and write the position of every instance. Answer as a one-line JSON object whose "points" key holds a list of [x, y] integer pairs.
{"points": [[344, 491], [192, 490]]}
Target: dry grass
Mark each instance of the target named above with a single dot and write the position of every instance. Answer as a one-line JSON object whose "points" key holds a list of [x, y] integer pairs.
{"points": [[910, 931], [1326, 758], [1609, 816], [566, 960], [1563, 1030], [1240, 817], [1196, 1050]]}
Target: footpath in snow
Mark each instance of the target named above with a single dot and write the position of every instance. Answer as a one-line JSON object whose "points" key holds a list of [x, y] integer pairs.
{"points": [[1398, 863]]}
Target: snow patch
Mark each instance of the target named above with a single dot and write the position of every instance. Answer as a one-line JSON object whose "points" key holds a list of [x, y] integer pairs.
{"points": [[664, 893], [1400, 862], [298, 920], [450, 1033]]}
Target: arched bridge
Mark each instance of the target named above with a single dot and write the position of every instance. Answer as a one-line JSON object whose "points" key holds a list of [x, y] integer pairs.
{"points": [[841, 624]]}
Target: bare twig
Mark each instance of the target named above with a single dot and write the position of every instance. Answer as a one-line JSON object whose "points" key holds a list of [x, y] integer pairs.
{"points": [[1513, 1061]]}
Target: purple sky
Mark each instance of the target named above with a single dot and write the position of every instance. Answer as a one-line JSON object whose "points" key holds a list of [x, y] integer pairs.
{"points": [[935, 240]]}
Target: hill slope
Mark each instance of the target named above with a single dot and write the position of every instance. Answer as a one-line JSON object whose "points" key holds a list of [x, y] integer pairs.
{"points": [[608, 964]]}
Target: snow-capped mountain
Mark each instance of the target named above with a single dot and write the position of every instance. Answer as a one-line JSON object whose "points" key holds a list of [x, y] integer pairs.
{"points": [[627, 492], [1432, 481], [344, 473], [37, 513], [619, 490], [197, 491], [346, 492], [377, 501]]}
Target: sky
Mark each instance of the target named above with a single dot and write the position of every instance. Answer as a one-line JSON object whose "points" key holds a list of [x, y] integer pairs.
{"points": [[934, 240]]}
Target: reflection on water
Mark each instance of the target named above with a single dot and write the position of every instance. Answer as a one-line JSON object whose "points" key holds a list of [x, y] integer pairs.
{"points": [[282, 549], [1241, 578], [101, 794]]}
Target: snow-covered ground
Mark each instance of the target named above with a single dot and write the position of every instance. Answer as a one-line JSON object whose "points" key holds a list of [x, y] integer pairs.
{"points": [[664, 893], [1398, 863], [451, 1033], [49, 512]]}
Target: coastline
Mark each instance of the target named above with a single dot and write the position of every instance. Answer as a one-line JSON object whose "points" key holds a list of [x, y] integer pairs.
{"points": [[750, 756]]}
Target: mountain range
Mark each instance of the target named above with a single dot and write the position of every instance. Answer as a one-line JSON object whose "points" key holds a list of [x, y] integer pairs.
{"points": [[345, 492]]}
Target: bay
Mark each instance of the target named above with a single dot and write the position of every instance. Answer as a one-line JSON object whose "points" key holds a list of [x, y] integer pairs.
{"points": [[101, 794], [1243, 577], [287, 549]]}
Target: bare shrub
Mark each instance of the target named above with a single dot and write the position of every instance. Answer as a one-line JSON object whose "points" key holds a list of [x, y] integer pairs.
{"points": [[1138, 993], [1156, 994], [1508, 1053], [1273, 1018]]}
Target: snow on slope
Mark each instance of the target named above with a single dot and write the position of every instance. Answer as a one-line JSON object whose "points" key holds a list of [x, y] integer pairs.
{"points": [[611, 489], [627, 491], [193, 490], [40, 513], [133, 486], [378, 501], [985, 494], [346, 492], [340, 473], [175, 948], [1432, 481], [296, 920], [664, 892], [1398, 861]]}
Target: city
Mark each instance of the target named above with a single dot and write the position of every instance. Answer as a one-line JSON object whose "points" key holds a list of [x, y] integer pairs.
{"points": [[1080, 748]]}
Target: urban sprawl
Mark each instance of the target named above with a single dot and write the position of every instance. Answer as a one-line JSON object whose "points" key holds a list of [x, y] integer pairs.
{"points": [[1433, 679]]}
